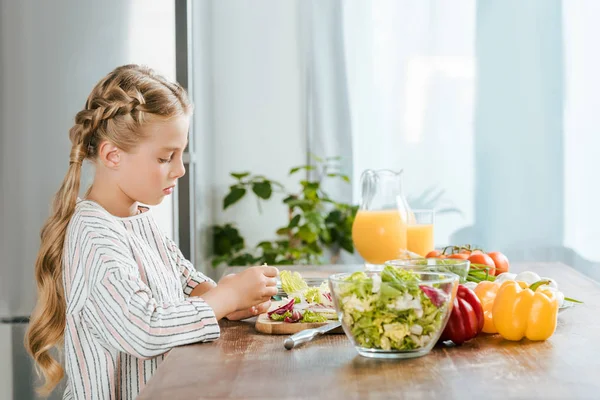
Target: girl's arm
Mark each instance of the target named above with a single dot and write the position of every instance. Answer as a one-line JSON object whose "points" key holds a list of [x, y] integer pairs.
{"points": [[204, 287], [196, 284], [190, 277], [122, 313]]}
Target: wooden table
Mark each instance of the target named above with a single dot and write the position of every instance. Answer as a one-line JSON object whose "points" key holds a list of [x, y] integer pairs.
{"points": [[244, 364]]}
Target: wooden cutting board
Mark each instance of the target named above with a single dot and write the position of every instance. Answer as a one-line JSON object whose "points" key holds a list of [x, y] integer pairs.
{"points": [[265, 325]]}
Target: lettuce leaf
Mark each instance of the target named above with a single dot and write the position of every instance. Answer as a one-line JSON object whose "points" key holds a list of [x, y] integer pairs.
{"points": [[292, 283], [311, 316]]}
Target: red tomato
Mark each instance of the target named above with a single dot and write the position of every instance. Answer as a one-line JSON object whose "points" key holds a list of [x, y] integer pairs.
{"points": [[433, 254], [476, 252], [460, 256], [500, 261], [485, 260], [465, 251]]}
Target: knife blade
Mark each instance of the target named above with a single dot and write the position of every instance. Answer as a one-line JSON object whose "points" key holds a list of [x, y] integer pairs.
{"points": [[308, 334]]}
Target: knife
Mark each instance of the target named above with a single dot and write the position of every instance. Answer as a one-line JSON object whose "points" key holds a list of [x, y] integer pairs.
{"points": [[308, 335]]}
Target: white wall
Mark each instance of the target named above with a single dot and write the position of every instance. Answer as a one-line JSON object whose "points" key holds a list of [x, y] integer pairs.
{"points": [[256, 105], [151, 41]]}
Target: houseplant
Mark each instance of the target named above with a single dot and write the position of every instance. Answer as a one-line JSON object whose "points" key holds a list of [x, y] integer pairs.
{"points": [[316, 224]]}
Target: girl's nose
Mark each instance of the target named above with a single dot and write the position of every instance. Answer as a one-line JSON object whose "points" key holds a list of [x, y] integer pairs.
{"points": [[178, 170]]}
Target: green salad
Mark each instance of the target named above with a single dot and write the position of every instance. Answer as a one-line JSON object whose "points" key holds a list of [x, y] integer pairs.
{"points": [[391, 311]]}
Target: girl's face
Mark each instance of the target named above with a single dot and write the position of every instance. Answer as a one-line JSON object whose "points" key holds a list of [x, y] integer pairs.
{"points": [[150, 171]]}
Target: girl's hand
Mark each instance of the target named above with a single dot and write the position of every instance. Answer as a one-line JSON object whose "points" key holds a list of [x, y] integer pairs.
{"points": [[251, 312], [251, 287]]}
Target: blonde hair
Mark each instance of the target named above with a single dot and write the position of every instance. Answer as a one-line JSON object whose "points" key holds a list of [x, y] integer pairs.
{"points": [[117, 107]]}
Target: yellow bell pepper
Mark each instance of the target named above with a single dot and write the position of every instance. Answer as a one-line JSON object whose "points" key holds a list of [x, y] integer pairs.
{"points": [[520, 312], [486, 292]]}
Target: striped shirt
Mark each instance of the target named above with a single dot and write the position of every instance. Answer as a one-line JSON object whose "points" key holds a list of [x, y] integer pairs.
{"points": [[127, 289]]}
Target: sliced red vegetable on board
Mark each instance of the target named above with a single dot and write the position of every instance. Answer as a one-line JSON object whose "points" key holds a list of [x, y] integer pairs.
{"points": [[283, 309], [296, 316]]}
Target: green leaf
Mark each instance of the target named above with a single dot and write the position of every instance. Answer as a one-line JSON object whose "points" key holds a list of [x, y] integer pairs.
{"points": [[334, 217], [310, 184], [299, 203], [234, 196], [265, 245], [294, 222], [262, 189], [345, 178], [306, 167], [226, 240], [315, 248], [218, 260], [242, 259], [347, 245], [306, 234], [240, 175], [283, 231], [290, 198], [326, 237], [315, 218]]}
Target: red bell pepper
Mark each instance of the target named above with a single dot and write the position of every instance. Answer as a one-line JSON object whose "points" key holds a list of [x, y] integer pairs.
{"points": [[466, 319]]}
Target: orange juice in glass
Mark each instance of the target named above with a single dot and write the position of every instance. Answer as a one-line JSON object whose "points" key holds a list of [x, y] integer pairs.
{"points": [[379, 229], [419, 232]]}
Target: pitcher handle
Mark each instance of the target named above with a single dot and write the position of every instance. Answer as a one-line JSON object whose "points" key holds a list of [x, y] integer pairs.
{"points": [[368, 181]]}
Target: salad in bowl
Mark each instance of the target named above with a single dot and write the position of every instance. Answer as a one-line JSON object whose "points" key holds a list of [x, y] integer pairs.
{"points": [[393, 313]]}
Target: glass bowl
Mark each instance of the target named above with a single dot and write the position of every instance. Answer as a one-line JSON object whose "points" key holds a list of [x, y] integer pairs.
{"points": [[393, 313], [456, 266]]}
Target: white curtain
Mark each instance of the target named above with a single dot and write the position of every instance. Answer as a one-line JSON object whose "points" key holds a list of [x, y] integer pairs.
{"points": [[327, 112], [581, 141], [490, 109]]}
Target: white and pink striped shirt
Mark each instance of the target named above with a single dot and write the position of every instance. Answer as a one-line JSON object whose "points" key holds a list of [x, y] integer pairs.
{"points": [[127, 289]]}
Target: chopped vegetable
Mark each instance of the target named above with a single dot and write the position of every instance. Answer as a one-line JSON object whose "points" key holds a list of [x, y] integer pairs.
{"points": [[292, 283], [288, 307], [311, 316]]}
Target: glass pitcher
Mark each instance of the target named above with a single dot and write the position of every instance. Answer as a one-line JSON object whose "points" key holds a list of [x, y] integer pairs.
{"points": [[380, 225]]}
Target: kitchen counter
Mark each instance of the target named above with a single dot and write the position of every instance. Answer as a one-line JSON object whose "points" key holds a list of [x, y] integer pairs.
{"points": [[244, 364]]}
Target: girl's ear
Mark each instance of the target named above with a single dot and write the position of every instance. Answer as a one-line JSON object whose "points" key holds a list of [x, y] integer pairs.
{"points": [[109, 155]]}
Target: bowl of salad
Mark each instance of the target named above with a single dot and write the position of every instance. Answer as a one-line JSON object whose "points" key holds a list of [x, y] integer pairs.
{"points": [[393, 313]]}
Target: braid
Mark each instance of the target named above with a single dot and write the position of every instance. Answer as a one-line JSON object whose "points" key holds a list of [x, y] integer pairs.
{"points": [[111, 102]]}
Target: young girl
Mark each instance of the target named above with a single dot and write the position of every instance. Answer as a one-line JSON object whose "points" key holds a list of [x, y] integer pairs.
{"points": [[114, 289]]}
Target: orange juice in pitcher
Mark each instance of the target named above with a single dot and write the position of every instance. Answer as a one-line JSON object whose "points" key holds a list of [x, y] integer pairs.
{"points": [[379, 235], [379, 230]]}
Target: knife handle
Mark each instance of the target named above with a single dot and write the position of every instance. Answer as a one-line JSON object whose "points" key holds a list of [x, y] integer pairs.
{"points": [[300, 337]]}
